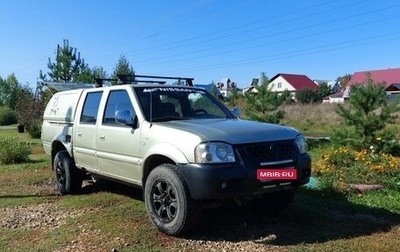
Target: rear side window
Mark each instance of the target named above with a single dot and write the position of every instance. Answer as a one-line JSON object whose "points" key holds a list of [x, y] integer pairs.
{"points": [[117, 100], [90, 108]]}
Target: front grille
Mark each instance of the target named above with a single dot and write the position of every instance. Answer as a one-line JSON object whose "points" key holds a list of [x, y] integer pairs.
{"points": [[270, 153]]}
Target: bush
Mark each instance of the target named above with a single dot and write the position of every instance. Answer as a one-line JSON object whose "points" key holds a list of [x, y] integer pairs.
{"points": [[34, 129], [337, 168], [13, 150], [8, 116], [307, 96], [29, 109]]}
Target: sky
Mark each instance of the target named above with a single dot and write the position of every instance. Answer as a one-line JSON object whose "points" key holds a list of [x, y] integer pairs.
{"points": [[207, 40]]}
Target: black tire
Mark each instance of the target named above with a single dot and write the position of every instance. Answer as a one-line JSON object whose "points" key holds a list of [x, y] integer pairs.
{"points": [[168, 202], [273, 203], [67, 177]]}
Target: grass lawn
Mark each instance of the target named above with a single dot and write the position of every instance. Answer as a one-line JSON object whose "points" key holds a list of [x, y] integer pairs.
{"points": [[106, 216]]}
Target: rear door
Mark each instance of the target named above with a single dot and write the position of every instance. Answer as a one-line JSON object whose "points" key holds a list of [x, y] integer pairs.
{"points": [[85, 130]]}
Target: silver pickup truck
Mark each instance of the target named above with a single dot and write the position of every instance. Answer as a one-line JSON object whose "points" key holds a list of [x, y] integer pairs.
{"points": [[179, 143]]}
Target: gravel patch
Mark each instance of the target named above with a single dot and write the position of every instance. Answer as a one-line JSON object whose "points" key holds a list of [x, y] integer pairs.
{"points": [[256, 245], [40, 216]]}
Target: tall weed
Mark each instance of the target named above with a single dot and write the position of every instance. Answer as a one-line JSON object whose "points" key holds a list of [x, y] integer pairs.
{"points": [[14, 150]]}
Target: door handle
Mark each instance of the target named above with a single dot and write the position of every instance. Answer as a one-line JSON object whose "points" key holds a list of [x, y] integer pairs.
{"points": [[102, 137]]}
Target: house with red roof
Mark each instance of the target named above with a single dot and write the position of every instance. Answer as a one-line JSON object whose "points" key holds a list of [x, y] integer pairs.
{"points": [[281, 82], [291, 82], [390, 78], [387, 77]]}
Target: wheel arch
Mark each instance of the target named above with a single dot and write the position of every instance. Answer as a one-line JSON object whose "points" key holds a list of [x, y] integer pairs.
{"points": [[161, 153], [152, 162], [56, 147]]}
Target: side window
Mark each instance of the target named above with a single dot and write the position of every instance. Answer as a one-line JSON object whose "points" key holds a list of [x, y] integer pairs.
{"points": [[90, 108], [117, 100]]}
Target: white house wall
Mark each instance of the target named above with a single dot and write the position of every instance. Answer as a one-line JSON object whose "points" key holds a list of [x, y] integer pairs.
{"points": [[275, 87], [336, 100]]}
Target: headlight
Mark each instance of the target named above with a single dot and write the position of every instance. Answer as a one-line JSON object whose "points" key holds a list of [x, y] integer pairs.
{"points": [[301, 144], [214, 153]]}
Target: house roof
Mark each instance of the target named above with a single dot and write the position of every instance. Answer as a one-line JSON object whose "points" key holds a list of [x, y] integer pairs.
{"points": [[386, 76], [298, 81], [393, 87]]}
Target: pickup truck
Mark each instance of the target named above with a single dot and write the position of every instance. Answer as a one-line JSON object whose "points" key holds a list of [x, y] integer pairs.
{"points": [[178, 143]]}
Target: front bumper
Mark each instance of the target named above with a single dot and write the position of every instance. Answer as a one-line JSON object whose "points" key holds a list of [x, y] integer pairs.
{"points": [[228, 181]]}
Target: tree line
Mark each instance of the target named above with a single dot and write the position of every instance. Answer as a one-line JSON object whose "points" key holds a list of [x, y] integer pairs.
{"points": [[23, 105]]}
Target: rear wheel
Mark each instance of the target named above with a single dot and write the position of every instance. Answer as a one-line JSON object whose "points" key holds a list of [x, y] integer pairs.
{"points": [[168, 202], [67, 177]]}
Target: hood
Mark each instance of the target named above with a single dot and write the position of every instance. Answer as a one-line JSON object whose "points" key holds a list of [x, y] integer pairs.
{"points": [[234, 131]]}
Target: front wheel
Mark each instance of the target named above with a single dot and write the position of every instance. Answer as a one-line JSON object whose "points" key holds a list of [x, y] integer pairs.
{"points": [[168, 202], [67, 177]]}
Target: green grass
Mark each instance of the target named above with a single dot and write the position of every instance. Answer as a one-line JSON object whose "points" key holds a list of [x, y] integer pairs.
{"points": [[313, 119], [384, 199]]}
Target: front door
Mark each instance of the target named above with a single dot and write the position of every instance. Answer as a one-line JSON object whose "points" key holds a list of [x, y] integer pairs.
{"points": [[118, 145]]}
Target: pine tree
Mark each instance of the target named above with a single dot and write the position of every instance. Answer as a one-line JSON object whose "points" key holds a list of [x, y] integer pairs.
{"points": [[368, 111], [68, 64], [122, 68], [264, 105]]}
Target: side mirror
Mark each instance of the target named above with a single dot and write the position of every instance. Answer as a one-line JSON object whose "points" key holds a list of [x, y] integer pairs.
{"points": [[236, 112], [125, 117]]}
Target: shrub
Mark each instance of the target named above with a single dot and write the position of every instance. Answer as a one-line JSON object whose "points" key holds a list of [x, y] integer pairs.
{"points": [[7, 116], [13, 150], [306, 96], [340, 167], [34, 129], [30, 110]]}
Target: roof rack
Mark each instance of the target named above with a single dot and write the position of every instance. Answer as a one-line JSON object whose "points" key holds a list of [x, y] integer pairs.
{"points": [[62, 86], [122, 79], [136, 79]]}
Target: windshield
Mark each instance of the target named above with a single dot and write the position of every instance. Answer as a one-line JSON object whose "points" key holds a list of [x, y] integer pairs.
{"points": [[179, 103]]}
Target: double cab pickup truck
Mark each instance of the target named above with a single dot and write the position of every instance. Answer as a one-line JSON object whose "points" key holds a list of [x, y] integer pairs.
{"points": [[177, 142]]}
